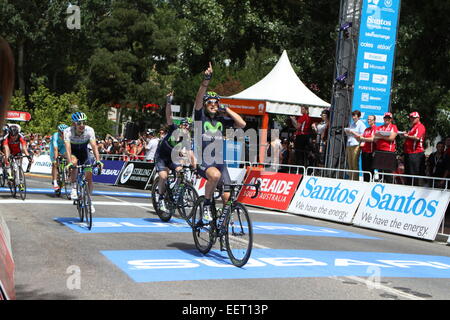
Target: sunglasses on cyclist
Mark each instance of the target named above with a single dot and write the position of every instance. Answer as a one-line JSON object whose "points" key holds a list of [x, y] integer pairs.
{"points": [[212, 101], [80, 123]]}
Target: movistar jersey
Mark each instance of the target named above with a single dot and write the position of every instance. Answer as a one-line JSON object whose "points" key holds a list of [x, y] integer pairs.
{"points": [[167, 144], [213, 128]]}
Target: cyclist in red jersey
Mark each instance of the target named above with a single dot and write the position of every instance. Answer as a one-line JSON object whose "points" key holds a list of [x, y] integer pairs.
{"points": [[14, 144]]}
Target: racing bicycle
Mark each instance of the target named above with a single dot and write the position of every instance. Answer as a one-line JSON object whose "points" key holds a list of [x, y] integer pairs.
{"points": [[83, 201], [232, 226], [62, 176], [180, 195], [18, 182]]}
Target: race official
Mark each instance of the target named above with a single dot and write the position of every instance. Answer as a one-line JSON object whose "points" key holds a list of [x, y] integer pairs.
{"points": [[413, 148]]}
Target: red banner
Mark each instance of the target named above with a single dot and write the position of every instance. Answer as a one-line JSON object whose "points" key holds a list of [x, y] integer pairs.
{"points": [[18, 116], [276, 192]]}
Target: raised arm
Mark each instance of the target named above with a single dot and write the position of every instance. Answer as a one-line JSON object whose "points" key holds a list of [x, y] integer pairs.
{"points": [[169, 100], [203, 88]]}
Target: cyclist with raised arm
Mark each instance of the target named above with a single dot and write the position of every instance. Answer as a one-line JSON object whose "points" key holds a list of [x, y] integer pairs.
{"points": [[76, 139], [57, 148], [214, 119], [164, 159], [14, 144]]}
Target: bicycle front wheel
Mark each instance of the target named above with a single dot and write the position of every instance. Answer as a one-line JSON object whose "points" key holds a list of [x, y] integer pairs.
{"points": [[79, 202], [202, 231], [22, 183], [186, 202], [239, 235], [87, 204]]}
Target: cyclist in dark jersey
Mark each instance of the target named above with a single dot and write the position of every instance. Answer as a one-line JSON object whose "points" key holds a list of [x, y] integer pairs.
{"points": [[14, 144], [167, 155], [213, 121]]}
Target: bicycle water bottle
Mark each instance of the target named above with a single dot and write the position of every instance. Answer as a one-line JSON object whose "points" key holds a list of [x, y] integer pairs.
{"points": [[176, 193]]}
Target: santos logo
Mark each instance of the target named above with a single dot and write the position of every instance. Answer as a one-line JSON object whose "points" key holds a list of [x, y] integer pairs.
{"points": [[327, 193], [399, 203], [379, 22]]}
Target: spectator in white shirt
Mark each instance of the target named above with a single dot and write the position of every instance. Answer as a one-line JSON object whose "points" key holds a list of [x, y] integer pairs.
{"points": [[150, 146], [357, 127]]}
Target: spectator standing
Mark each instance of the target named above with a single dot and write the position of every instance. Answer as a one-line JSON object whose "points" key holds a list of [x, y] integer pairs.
{"points": [[384, 158], [367, 146], [303, 134], [356, 129], [150, 146], [436, 165], [322, 135], [413, 148]]}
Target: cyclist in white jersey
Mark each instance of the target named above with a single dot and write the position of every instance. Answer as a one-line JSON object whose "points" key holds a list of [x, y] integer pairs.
{"points": [[77, 138]]}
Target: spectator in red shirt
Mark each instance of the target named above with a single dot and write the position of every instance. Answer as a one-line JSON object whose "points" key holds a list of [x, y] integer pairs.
{"points": [[385, 159], [413, 148], [303, 136], [367, 146]]}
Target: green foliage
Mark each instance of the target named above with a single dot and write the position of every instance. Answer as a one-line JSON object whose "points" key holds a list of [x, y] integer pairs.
{"points": [[133, 52]]}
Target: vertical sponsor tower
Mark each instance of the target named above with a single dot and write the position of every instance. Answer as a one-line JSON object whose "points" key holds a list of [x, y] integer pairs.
{"points": [[375, 58], [365, 51]]}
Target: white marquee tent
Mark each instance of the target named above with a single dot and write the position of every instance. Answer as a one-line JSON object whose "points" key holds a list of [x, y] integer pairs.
{"points": [[283, 91]]}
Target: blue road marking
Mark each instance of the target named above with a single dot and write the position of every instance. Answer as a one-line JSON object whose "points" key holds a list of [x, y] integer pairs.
{"points": [[117, 225], [95, 192], [175, 265]]}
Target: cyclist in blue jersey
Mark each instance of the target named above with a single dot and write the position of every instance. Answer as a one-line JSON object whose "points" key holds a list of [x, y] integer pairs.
{"points": [[77, 138], [57, 148], [166, 158], [214, 120]]}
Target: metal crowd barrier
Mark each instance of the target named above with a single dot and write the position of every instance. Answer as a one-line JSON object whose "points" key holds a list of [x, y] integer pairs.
{"points": [[383, 177]]}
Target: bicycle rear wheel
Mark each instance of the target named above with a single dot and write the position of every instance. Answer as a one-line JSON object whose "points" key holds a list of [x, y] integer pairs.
{"points": [[239, 235], [202, 231], [186, 202], [22, 183]]}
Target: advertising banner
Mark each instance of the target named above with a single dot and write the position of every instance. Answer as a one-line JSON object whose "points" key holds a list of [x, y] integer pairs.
{"points": [[135, 174], [375, 57], [329, 199], [41, 164], [277, 189], [406, 210], [110, 172]]}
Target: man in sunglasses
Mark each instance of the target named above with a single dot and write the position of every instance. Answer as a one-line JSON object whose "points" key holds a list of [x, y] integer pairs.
{"points": [[214, 119], [76, 139]]}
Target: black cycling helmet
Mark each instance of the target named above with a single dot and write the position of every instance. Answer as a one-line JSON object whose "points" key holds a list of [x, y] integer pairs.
{"points": [[13, 131]]}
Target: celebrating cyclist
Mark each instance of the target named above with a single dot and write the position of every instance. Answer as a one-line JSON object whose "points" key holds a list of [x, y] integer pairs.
{"points": [[14, 144], [76, 139], [57, 148], [165, 157], [214, 120]]}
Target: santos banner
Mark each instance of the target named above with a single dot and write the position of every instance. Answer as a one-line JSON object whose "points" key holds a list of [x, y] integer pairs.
{"points": [[411, 211], [329, 199]]}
